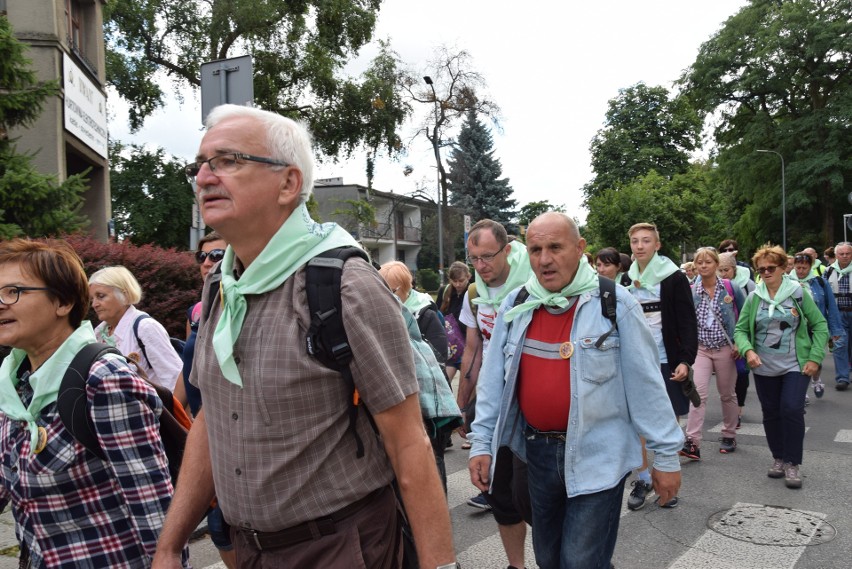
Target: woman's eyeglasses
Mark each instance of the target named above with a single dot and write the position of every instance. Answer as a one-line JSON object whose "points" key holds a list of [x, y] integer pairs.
{"points": [[215, 255], [729, 250], [768, 270]]}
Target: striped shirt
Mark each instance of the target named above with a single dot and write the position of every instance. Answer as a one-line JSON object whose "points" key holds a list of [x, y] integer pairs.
{"points": [[73, 509]]}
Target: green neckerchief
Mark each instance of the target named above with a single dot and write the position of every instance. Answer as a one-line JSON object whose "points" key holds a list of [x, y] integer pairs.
{"points": [[417, 301], [785, 291], [44, 381], [794, 277], [299, 239], [519, 273], [585, 279], [104, 337], [815, 268], [657, 269], [741, 276], [842, 272]]}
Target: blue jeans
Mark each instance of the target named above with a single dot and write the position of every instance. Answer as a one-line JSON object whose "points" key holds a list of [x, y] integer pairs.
{"points": [[782, 400], [842, 353], [568, 533]]}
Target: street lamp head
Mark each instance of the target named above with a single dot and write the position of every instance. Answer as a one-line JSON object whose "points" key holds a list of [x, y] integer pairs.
{"points": [[428, 80]]}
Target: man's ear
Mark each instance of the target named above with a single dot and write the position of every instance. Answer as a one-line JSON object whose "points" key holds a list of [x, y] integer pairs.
{"points": [[291, 185]]}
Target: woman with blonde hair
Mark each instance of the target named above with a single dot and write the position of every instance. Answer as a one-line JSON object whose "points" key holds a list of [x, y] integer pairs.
{"points": [[783, 336], [717, 305], [114, 291]]}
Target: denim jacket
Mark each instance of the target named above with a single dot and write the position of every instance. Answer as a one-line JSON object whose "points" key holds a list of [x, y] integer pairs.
{"points": [[824, 299], [727, 310], [616, 395]]}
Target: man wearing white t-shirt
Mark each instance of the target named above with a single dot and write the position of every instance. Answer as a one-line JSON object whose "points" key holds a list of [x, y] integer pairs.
{"points": [[500, 268]]}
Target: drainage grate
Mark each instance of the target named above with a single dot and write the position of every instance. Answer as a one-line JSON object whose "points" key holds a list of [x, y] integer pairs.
{"points": [[772, 525]]}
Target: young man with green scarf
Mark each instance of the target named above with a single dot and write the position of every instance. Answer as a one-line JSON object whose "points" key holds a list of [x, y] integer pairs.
{"points": [[563, 404], [666, 299], [500, 267], [273, 433]]}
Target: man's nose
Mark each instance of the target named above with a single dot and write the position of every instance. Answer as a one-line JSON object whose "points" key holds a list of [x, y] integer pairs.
{"points": [[206, 176]]}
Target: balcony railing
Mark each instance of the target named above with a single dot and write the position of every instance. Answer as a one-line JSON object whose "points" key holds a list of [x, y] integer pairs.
{"points": [[385, 231]]}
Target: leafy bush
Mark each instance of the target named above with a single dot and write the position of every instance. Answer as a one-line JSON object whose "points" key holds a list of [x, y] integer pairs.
{"points": [[428, 280], [170, 279]]}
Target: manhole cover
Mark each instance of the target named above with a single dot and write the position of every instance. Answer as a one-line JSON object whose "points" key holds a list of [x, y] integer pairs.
{"points": [[772, 525]]}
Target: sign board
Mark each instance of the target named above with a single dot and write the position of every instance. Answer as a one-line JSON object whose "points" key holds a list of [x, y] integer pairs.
{"points": [[467, 224], [226, 81], [85, 107]]}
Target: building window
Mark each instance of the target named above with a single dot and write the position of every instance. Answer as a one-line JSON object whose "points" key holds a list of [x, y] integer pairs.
{"points": [[72, 20]]}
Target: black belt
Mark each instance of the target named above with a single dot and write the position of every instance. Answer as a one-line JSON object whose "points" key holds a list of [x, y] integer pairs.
{"points": [[558, 435], [652, 307], [306, 531]]}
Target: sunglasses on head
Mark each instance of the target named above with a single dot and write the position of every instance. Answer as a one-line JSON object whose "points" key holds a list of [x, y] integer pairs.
{"points": [[215, 255], [802, 259]]}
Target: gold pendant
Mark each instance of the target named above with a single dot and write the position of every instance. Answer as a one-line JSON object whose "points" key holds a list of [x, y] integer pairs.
{"points": [[794, 312], [727, 299], [42, 440], [566, 350], [637, 284]]}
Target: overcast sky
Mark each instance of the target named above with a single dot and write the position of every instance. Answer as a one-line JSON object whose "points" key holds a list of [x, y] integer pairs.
{"points": [[551, 66]]}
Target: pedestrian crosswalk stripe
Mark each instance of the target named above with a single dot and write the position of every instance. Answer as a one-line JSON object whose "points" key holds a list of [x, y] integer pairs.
{"points": [[843, 436], [752, 429]]}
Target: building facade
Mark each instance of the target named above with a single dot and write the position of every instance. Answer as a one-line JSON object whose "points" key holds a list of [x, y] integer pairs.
{"points": [[66, 43]]}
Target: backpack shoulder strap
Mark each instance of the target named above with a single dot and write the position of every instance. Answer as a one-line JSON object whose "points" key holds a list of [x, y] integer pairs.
{"points": [[608, 307], [522, 296], [326, 339], [471, 294], [139, 341], [213, 290], [72, 401]]}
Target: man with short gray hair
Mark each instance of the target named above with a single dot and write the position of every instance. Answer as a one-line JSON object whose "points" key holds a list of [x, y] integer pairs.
{"points": [[837, 276], [274, 432]]}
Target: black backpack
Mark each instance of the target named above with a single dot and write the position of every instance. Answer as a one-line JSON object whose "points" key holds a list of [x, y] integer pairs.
{"points": [[176, 343], [72, 407], [608, 304]]}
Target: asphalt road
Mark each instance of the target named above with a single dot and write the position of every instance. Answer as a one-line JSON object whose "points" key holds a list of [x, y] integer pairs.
{"points": [[730, 515]]}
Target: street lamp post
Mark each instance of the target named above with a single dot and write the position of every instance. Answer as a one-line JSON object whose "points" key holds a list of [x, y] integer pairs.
{"points": [[428, 81], [783, 199]]}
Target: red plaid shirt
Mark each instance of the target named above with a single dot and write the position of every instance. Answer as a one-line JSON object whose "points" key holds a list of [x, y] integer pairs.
{"points": [[73, 509]]}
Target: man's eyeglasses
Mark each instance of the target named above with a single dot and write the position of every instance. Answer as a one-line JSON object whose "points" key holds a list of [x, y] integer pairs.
{"points": [[215, 255], [227, 163], [10, 294], [487, 259], [768, 270]]}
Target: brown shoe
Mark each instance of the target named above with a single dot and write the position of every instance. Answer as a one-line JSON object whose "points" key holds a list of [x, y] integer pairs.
{"points": [[777, 469], [791, 475]]}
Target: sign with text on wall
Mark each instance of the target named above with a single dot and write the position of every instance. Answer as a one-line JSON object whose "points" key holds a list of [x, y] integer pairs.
{"points": [[85, 107]]}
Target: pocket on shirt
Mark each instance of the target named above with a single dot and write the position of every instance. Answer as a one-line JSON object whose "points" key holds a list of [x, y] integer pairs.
{"points": [[600, 364]]}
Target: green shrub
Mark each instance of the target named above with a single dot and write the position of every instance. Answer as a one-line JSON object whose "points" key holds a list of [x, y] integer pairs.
{"points": [[428, 280]]}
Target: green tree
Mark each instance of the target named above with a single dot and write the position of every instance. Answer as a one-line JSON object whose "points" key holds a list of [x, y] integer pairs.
{"points": [[151, 197], [298, 53], [685, 208], [34, 204], [778, 76], [475, 174], [530, 211], [644, 130], [449, 98]]}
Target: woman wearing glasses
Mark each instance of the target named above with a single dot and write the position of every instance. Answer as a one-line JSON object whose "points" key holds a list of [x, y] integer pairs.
{"points": [[824, 299], [783, 335], [717, 305], [72, 508], [114, 292]]}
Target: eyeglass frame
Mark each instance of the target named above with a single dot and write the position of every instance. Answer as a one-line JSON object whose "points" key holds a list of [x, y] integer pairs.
{"points": [[21, 289], [770, 270], [729, 249], [196, 166], [487, 259], [201, 256]]}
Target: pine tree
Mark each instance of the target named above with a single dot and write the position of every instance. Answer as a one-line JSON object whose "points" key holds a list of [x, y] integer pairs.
{"points": [[474, 176], [34, 204]]}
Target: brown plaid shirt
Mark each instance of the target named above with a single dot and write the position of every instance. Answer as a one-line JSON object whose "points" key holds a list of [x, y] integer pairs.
{"points": [[280, 446]]}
